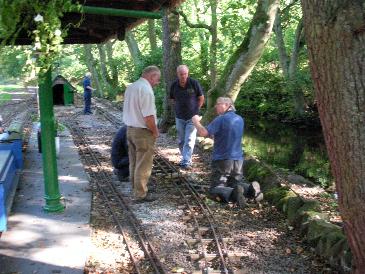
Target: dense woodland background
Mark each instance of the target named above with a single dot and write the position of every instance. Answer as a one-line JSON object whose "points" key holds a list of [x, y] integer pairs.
{"points": [[274, 89], [209, 34]]}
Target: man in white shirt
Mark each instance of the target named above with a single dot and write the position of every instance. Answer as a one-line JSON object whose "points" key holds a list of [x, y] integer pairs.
{"points": [[139, 114]]}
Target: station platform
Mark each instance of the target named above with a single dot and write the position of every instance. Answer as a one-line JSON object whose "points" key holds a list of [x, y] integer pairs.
{"points": [[41, 242]]}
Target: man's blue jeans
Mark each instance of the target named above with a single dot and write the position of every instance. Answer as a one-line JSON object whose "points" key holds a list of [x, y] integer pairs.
{"points": [[186, 134], [87, 99]]}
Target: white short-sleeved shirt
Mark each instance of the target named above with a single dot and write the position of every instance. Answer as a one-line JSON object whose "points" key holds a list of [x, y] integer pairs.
{"points": [[139, 102]]}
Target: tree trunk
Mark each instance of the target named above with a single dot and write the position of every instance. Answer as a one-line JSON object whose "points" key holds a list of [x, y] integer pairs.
{"points": [[133, 48], [203, 43], [171, 59], [213, 44], [152, 34], [241, 63], [90, 62], [103, 70], [112, 65], [289, 65], [335, 34]]}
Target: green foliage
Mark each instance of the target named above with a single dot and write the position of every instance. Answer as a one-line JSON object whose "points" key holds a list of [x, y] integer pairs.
{"points": [[288, 147], [5, 97], [42, 23], [67, 65], [9, 88], [264, 94], [315, 167], [12, 62]]}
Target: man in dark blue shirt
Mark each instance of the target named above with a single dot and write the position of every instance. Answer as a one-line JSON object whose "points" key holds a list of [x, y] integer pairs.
{"points": [[227, 159], [87, 93], [119, 155], [188, 97]]}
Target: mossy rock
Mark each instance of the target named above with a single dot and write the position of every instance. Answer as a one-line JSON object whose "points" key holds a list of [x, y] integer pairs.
{"points": [[306, 217], [283, 202], [309, 205], [292, 207], [327, 242], [275, 194], [319, 228]]}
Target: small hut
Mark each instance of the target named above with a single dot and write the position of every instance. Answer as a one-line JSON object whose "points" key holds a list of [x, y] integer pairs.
{"points": [[63, 91]]}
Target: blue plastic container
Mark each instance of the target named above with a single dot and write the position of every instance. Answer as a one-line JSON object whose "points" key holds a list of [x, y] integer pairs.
{"points": [[16, 147], [7, 183]]}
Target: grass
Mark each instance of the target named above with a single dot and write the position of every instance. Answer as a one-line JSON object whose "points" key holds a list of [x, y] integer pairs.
{"points": [[5, 92], [4, 98], [9, 88]]}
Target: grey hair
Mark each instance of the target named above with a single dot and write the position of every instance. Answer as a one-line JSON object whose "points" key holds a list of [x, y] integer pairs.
{"points": [[150, 70], [228, 101], [88, 74], [180, 67]]}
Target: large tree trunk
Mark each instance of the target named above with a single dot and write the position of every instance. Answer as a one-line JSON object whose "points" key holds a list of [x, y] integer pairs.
{"points": [[133, 48], [90, 62], [171, 59], [335, 34], [241, 63]]}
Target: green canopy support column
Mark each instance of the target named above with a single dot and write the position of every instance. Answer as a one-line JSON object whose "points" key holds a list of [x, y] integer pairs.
{"points": [[52, 193]]}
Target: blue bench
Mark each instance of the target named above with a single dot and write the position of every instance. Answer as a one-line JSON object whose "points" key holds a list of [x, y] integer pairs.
{"points": [[7, 184]]}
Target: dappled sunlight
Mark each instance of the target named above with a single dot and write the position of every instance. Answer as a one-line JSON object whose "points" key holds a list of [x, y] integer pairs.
{"points": [[68, 178]]}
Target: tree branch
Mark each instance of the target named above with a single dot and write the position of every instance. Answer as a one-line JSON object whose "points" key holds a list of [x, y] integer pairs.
{"points": [[189, 24]]}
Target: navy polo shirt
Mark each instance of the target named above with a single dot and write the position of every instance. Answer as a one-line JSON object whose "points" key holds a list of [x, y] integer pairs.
{"points": [[86, 82], [186, 99], [227, 131]]}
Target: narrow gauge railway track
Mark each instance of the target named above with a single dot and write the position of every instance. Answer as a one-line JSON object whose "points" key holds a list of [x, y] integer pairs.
{"points": [[26, 120], [114, 200], [212, 255], [29, 104], [211, 251]]}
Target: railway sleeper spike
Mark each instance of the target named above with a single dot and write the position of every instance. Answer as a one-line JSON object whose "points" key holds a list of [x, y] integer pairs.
{"points": [[212, 256]]}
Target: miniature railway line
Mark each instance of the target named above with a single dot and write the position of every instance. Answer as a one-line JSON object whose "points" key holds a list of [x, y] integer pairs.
{"points": [[210, 250], [117, 206]]}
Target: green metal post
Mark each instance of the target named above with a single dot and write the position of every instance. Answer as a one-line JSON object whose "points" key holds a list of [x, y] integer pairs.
{"points": [[52, 193], [118, 12]]}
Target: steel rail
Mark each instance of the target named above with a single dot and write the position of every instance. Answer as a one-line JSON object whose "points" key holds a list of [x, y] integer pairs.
{"points": [[223, 253], [86, 156], [143, 239], [218, 240]]}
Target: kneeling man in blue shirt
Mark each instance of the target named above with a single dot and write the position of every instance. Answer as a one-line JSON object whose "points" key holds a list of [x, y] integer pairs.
{"points": [[227, 159]]}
